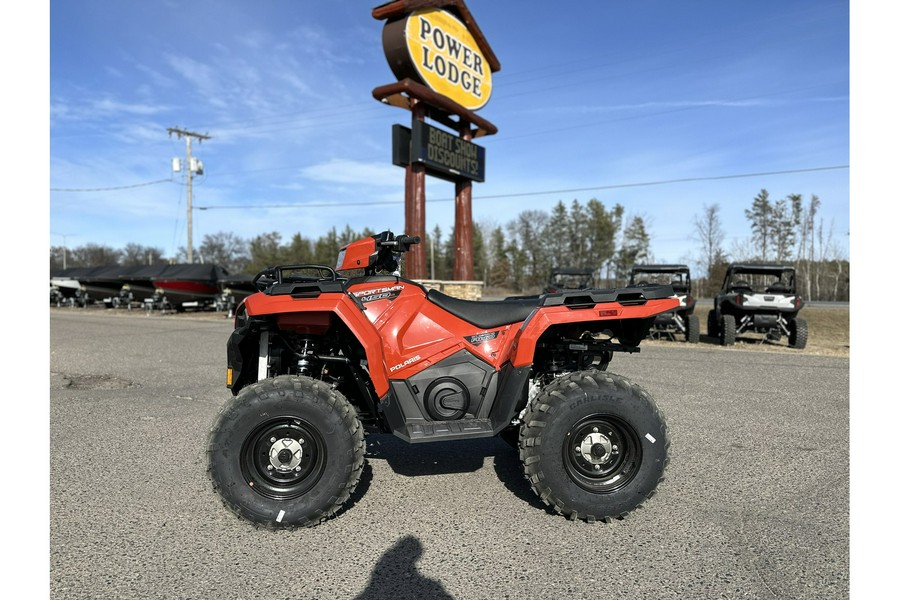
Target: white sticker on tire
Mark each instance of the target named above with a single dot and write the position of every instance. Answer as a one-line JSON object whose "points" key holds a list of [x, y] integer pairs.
{"points": [[280, 516], [648, 436]]}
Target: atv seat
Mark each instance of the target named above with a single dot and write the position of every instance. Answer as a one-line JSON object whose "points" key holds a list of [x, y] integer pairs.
{"points": [[486, 314]]}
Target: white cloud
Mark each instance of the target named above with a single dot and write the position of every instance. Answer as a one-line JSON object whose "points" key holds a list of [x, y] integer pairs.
{"points": [[353, 172]]}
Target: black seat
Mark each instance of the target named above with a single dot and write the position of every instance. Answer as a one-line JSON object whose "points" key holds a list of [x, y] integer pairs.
{"points": [[741, 286], [486, 314]]}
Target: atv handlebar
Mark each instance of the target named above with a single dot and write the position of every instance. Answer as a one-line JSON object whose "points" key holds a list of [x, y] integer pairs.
{"points": [[401, 242]]}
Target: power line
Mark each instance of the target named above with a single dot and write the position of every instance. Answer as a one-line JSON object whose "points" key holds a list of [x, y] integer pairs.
{"points": [[540, 193], [111, 189]]}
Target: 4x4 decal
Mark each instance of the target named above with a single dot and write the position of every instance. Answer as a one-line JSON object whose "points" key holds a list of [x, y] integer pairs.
{"points": [[479, 338]]}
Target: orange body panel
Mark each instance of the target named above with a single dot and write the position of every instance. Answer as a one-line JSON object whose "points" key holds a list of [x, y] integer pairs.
{"points": [[523, 350], [358, 255], [404, 333]]}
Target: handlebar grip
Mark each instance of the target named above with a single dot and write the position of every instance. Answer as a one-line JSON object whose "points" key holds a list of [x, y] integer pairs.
{"points": [[400, 242]]}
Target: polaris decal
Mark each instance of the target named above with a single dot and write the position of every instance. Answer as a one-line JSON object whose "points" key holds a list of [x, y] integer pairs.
{"points": [[479, 338], [385, 293], [406, 363]]}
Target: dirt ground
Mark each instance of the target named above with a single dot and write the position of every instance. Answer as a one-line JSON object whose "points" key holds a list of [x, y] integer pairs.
{"points": [[829, 333]]}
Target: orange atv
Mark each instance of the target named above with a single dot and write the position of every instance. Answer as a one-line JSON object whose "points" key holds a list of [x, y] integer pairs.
{"points": [[321, 355]]}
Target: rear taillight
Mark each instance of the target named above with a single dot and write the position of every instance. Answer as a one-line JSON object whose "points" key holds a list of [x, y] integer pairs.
{"points": [[739, 299], [798, 301]]}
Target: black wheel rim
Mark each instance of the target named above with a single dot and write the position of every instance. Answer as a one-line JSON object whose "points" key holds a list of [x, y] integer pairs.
{"points": [[602, 453], [283, 458]]}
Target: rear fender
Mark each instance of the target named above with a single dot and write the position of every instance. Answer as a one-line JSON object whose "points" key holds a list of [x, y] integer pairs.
{"points": [[630, 322]]}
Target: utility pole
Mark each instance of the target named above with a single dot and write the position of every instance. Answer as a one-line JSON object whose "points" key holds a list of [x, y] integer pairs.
{"points": [[189, 135], [65, 246]]}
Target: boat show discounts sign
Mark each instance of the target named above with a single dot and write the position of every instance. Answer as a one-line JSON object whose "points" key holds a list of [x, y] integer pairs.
{"points": [[435, 48], [444, 155]]}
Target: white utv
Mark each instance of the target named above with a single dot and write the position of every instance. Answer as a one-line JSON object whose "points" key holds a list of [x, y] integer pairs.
{"points": [[758, 298]]}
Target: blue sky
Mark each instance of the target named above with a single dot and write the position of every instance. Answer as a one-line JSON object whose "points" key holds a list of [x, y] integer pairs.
{"points": [[605, 100], [595, 95]]}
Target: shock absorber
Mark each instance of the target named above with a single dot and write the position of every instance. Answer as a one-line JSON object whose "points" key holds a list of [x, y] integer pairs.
{"points": [[307, 348]]}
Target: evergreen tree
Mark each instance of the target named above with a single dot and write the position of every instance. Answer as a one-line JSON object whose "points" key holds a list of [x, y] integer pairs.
{"points": [[557, 234], [265, 251], [300, 251], [760, 215], [500, 270], [528, 230], [327, 247], [635, 247], [602, 226], [434, 252]]}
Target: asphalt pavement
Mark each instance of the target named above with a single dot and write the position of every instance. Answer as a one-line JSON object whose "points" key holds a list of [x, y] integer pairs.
{"points": [[754, 505]]}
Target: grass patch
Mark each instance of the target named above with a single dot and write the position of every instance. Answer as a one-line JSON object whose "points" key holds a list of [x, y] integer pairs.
{"points": [[829, 331]]}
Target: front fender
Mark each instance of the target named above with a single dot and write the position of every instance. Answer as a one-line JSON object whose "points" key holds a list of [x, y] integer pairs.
{"points": [[310, 315]]}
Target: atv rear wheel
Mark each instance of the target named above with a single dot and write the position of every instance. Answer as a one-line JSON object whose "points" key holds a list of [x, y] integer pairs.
{"points": [[798, 333], [692, 335], [727, 335], [286, 452], [594, 446]]}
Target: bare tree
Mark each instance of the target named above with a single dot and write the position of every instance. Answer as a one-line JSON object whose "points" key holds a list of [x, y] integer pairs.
{"points": [[94, 255], [709, 232], [806, 252], [136, 254], [226, 250]]}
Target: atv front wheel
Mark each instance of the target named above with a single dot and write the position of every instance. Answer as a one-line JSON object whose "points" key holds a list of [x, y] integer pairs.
{"points": [[727, 334], [798, 334], [593, 445], [286, 452]]}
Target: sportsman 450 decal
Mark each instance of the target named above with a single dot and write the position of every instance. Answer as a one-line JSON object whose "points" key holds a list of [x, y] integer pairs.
{"points": [[385, 293]]}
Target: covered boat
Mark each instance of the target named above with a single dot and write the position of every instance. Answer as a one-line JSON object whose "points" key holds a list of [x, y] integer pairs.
{"points": [[189, 285], [137, 282]]}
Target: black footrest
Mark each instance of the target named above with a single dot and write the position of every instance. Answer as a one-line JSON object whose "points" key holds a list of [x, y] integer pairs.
{"points": [[438, 431]]}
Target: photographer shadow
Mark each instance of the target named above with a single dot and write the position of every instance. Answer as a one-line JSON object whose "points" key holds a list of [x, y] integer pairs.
{"points": [[395, 576]]}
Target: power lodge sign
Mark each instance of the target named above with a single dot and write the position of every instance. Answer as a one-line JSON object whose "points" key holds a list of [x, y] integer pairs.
{"points": [[435, 48]]}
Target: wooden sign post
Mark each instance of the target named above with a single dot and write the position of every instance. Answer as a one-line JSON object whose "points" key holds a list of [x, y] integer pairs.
{"points": [[444, 68]]}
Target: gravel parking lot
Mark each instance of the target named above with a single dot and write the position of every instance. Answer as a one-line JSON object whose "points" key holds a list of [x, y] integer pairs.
{"points": [[755, 503]]}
